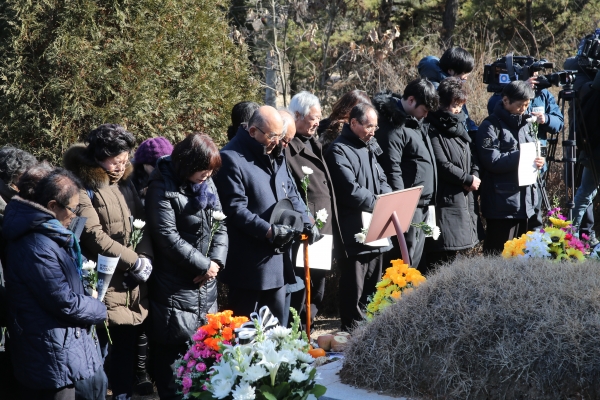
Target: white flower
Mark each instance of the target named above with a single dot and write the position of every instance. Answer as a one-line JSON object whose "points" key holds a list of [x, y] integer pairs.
{"points": [[322, 215], [306, 170], [256, 372], [304, 357], [139, 224], [279, 332], [360, 237], [435, 232], [223, 371], [288, 356], [88, 266], [221, 388], [243, 392], [536, 249], [298, 376], [218, 215]]}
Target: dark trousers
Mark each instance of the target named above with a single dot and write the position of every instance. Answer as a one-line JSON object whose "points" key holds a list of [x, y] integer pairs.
{"points": [[499, 231], [93, 388], [587, 222], [122, 358], [359, 275], [243, 302], [64, 393], [162, 367], [415, 240], [317, 291]]}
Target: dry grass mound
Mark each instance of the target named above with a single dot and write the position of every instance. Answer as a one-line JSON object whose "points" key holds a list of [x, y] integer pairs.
{"points": [[487, 328]]}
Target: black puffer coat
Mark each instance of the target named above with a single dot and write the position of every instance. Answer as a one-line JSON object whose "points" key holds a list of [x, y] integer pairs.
{"points": [[456, 168], [180, 234]]}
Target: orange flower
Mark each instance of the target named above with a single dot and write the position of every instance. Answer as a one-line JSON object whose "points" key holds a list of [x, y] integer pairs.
{"points": [[213, 343], [238, 321], [210, 331], [227, 333], [226, 317], [214, 321]]}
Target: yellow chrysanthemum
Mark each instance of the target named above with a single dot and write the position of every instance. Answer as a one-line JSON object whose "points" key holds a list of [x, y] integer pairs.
{"points": [[559, 223], [575, 254], [383, 283]]}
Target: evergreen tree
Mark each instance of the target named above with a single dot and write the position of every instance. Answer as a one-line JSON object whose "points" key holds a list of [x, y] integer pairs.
{"points": [[158, 67]]}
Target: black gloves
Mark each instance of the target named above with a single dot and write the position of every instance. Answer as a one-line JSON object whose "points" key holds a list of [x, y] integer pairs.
{"points": [[312, 232], [282, 235]]}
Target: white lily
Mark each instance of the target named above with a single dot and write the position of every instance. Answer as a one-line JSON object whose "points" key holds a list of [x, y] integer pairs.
{"points": [[139, 224], [306, 170]]}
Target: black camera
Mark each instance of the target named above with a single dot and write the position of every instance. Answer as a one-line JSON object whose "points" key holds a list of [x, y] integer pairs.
{"points": [[588, 52], [559, 79], [511, 68]]}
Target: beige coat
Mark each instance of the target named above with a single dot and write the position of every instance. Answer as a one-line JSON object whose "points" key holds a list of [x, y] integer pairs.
{"points": [[107, 232]]}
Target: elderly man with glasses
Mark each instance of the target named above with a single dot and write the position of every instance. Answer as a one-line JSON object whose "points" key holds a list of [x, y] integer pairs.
{"points": [[252, 179]]}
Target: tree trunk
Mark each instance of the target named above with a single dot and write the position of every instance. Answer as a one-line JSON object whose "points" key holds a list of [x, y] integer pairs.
{"points": [[271, 79], [449, 22], [529, 19]]}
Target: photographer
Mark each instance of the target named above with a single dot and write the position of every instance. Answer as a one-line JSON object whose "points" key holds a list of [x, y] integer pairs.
{"points": [[509, 209]]}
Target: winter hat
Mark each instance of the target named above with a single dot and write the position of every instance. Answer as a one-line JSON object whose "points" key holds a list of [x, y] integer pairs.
{"points": [[152, 149]]}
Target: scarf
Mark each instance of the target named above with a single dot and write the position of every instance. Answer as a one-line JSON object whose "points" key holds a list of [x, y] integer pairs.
{"points": [[64, 237], [204, 198], [114, 177]]}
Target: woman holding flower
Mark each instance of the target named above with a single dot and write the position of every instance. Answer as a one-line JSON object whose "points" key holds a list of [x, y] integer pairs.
{"points": [[187, 226]]}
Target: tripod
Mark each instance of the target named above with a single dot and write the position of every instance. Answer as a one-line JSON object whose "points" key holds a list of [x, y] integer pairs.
{"points": [[569, 148]]}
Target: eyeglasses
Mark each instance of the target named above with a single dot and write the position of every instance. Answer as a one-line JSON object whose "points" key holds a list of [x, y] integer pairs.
{"points": [[285, 141], [73, 210], [271, 136], [369, 127]]}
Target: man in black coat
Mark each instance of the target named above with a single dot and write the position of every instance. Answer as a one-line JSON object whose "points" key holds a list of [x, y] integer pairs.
{"points": [[357, 179], [408, 158], [306, 151], [250, 183]]}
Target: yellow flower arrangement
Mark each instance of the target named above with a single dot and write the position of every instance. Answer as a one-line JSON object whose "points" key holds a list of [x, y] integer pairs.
{"points": [[559, 223], [397, 279]]}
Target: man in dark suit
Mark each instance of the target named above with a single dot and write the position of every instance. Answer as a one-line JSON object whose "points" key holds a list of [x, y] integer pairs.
{"points": [[250, 182], [306, 151]]}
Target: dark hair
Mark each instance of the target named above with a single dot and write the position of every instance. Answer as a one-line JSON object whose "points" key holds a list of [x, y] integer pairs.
{"points": [[450, 90], [359, 112], [109, 140], [424, 93], [197, 152], [240, 114], [458, 60], [517, 91], [60, 185], [31, 178], [13, 163], [340, 113]]}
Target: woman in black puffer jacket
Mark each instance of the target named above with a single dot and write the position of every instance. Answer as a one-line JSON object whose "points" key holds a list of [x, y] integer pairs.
{"points": [[457, 171], [181, 202]]}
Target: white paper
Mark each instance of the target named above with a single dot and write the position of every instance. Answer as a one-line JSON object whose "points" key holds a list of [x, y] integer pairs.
{"points": [[366, 220], [319, 254], [528, 172], [107, 265]]}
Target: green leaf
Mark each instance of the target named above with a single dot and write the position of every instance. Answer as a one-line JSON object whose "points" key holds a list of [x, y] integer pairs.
{"points": [[318, 390]]}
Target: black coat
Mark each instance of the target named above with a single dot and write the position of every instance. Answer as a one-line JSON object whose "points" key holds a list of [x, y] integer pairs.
{"points": [[308, 152], [456, 168], [357, 178], [250, 183], [497, 147], [407, 158], [180, 235], [51, 317]]}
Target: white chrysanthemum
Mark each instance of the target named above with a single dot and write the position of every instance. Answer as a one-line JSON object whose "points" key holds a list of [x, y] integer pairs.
{"points": [[218, 215], [266, 345], [298, 376], [88, 266], [221, 388], [288, 356], [322, 215], [360, 237], [279, 332], [435, 232], [243, 392], [139, 224], [304, 357], [306, 170], [254, 373], [536, 249]]}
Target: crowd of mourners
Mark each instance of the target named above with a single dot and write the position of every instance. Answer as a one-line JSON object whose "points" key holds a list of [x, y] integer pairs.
{"points": [[56, 345]]}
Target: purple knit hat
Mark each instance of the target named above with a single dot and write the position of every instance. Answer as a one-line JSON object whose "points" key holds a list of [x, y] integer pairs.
{"points": [[151, 150]]}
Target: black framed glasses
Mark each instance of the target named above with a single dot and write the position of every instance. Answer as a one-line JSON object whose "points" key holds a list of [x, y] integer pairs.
{"points": [[272, 136], [73, 210]]}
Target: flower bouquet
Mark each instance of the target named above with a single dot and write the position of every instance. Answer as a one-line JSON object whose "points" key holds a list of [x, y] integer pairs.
{"points": [[397, 279], [193, 369], [274, 365], [555, 241]]}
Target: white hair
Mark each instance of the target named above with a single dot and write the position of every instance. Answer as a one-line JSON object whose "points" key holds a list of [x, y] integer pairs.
{"points": [[302, 103], [286, 121]]}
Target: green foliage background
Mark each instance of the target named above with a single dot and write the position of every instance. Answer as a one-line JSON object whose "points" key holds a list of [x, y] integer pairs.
{"points": [[158, 67]]}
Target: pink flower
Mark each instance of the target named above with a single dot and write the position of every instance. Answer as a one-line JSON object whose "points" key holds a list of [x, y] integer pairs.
{"points": [[200, 367], [197, 353], [180, 371], [186, 382], [187, 356], [585, 237], [200, 335], [191, 363], [218, 357], [204, 388], [205, 353]]}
